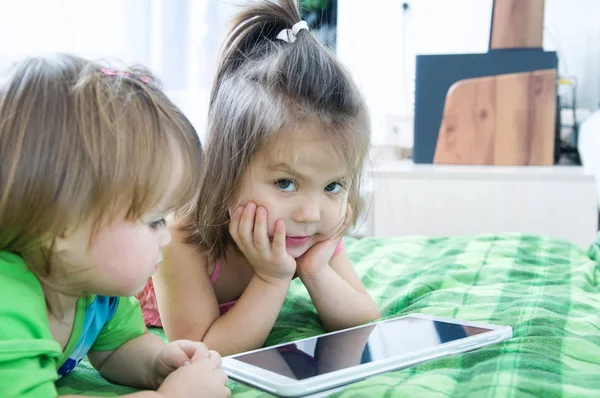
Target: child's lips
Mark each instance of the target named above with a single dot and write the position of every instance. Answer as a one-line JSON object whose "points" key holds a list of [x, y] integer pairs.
{"points": [[296, 240]]}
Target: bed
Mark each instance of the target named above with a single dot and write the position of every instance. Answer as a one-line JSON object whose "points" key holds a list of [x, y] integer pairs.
{"points": [[546, 289]]}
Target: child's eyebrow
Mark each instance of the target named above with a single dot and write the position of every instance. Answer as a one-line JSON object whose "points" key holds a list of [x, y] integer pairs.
{"points": [[282, 166], [286, 168]]}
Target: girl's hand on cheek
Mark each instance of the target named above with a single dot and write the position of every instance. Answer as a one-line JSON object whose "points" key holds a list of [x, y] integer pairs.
{"points": [[317, 257], [270, 260]]}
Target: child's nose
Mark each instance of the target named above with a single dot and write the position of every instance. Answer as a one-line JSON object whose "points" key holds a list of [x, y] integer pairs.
{"points": [[307, 211]]}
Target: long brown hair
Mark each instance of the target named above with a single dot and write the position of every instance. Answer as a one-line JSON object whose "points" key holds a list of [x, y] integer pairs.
{"points": [[78, 141], [265, 86]]}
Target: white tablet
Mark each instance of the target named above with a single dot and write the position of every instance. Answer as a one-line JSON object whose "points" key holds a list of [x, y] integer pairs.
{"points": [[323, 362]]}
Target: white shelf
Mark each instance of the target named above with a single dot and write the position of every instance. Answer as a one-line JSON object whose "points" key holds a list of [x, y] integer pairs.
{"points": [[408, 169], [448, 200]]}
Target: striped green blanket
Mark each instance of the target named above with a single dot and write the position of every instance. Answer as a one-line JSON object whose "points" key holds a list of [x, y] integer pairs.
{"points": [[546, 289]]}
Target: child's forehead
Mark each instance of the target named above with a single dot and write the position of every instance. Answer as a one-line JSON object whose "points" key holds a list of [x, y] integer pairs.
{"points": [[297, 140], [300, 149]]}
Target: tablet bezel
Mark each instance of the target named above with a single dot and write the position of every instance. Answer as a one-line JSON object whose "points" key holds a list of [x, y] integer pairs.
{"points": [[285, 386]]}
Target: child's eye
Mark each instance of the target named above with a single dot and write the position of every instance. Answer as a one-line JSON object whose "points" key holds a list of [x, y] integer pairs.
{"points": [[286, 185], [334, 187], [158, 223]]}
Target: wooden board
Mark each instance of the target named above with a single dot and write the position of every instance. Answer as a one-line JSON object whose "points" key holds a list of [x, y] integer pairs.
{"points": [[517, 24], [505, 120]]}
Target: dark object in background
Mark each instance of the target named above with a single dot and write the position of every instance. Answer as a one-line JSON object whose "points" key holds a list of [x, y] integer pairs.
{"points": [[321, 16], [567, 149]]}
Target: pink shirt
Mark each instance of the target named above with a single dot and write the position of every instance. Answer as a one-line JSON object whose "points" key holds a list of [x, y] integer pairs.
{"points": [[147, 297]]}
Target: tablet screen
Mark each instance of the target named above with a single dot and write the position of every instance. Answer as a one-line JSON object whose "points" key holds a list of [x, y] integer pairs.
{"points": [[324, 354]]}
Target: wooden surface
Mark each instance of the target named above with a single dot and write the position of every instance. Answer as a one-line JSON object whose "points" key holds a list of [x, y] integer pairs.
{"points": [[504, 120], [517, 24]]}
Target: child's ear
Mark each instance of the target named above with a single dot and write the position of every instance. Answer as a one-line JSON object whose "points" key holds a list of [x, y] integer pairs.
{"points": [[60, 243]]}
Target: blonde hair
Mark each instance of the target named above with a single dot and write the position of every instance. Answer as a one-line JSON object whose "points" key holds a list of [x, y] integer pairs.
{"points": [[79, 142], [263, 86]]}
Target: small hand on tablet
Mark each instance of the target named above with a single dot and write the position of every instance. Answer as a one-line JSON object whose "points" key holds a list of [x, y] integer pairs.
{"points": [[186, 368]]}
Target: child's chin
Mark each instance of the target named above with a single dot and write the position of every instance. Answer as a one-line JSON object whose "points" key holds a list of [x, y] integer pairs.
{"points": [[296, 252], [133, 289]]}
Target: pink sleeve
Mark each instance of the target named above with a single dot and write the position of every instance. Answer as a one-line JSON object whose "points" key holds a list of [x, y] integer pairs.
{"points": [[339, 247]]}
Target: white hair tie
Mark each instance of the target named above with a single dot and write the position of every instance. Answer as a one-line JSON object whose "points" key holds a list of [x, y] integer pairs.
{"points": [[289, 35]]}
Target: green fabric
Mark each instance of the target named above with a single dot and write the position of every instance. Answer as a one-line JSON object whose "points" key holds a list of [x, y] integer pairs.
{"points": [[127, 323], [29, 356], [546, 289]]}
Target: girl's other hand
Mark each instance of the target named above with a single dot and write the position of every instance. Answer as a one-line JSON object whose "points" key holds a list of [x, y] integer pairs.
{"points": [[317, 257]]}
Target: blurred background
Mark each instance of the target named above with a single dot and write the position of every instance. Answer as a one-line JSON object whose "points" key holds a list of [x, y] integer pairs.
{"points": [[177, 39], [377, 40]]}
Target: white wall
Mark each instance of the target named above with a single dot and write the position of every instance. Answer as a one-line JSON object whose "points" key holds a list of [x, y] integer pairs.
{"points": [[177, 39], [209, 28], [111, 28], [378, 43], [572, 28]]}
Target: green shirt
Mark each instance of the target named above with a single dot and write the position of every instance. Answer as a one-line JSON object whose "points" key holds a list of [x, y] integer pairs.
{"points": [[30, 359]]}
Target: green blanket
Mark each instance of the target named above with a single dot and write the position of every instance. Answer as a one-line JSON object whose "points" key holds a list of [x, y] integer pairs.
{"points": [[546, 289]]}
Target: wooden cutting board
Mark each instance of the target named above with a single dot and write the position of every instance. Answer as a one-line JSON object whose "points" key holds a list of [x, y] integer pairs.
{"points": [[504, 119]]}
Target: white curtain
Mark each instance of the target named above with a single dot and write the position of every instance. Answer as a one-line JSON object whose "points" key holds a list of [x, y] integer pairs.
{"points": [[177, 39]]}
